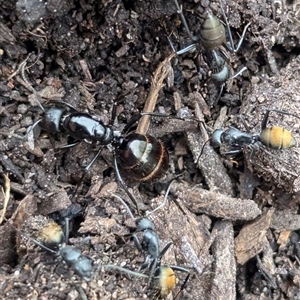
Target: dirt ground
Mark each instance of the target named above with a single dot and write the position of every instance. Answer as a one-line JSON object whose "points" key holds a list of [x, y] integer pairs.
{"points": [[233, 223]]}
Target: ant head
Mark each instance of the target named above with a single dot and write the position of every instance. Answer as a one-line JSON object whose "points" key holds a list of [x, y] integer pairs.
{"points": [[143, 224], [215, 140]]}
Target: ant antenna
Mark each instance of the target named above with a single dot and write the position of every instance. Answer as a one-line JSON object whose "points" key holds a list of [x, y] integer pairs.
{"points": [[164, 202], [86, 168], [125, 204], [202, 150], [124, 270], [29, 86]]}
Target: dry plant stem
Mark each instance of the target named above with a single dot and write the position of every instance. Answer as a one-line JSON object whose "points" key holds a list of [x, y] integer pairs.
{"points": [[224, 278], [215, 204], [6, 195], [157, 83]]}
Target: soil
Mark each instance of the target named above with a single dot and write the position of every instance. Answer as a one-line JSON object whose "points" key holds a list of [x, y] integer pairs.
{"points": [[233, 222]]}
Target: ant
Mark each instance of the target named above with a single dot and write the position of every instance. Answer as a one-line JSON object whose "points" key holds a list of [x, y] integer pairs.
{"points": [[140, 156], [51, 237], [212, 36], [143, 157], [232, 141], [162, 276]]}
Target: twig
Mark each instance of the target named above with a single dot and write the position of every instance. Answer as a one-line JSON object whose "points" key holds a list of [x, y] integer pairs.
{"points": [[157, 83], [6, 195]]}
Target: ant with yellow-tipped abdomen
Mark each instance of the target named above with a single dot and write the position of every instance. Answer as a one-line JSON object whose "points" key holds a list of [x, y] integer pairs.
{"points": [[160, 277]]}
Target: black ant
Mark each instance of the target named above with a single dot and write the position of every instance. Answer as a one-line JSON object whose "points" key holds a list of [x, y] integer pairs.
{"points": [[212, 36], [232, 141], [162, 276], [51, 236], [141, 157]]}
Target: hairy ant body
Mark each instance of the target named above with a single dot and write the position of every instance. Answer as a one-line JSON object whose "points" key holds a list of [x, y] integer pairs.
{"points": [[212, 36], [233, 141], [51, 236]]}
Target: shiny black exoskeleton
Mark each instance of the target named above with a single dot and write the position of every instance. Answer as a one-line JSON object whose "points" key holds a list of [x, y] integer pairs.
{"points": [[140, 157], [80, 126], [234, 139], [150, 241], [161, 277]]}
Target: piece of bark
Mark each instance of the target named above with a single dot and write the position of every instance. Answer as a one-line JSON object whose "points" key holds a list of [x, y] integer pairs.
{"points": [[224, 273], [216, 204], [285, 220], [191, 242], [252, 238]]}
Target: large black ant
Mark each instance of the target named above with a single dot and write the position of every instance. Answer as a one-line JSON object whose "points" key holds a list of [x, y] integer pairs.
{"points": [[143, 157], [232, 141], [51, 236], [162, 276], [140, 156], [212, 36]]}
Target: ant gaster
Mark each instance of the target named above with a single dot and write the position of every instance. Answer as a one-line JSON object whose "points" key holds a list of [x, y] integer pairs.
{"points": [[52, 236], [234, 140]]}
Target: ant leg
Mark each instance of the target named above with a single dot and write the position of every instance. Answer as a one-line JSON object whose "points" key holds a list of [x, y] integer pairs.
{"points": [[186, 49], [42, 245], [265, 120], [124, 270], [67, 229], [137, 243], [124, 186], [165, 249], [86, 169], [131, 122], [184, 22], [244, 123], [268, 110], [184, 283], [231, 47], [240, 72], [220, 94], [69, 145]]}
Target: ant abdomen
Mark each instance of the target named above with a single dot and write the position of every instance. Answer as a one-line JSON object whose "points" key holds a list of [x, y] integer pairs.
{"points": [[277, 138], [142, 157], [212, 33]]}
